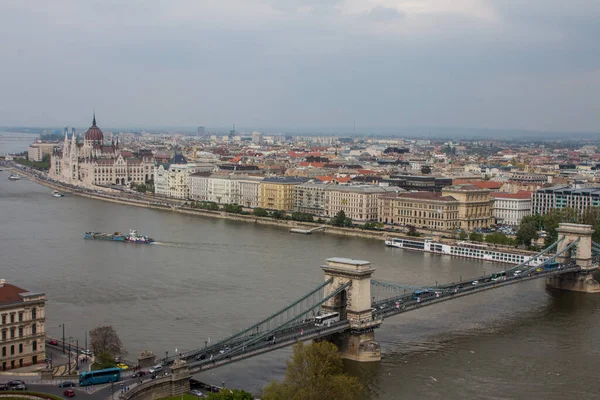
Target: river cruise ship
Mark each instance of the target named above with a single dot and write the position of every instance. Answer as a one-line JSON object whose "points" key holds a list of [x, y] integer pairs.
{"points": [[477, 251]]}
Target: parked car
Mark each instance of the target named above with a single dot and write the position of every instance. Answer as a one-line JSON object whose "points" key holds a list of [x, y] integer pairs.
{"points": [[87, 352], [139, 374], [66, 384], [3, 386], [69, 393], [53, 342], [198, 393], [20, 387], [15, 383]]}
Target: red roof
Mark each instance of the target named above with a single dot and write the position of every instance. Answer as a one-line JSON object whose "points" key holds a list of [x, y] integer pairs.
{"points": [[479, 184], [522, 194], [10, 293]]}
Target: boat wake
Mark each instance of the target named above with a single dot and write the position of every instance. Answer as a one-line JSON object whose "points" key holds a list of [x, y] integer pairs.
{"points": [[180, 245]]}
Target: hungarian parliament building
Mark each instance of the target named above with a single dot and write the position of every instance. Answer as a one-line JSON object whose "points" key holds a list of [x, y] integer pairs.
{"points": [[95, 163]]}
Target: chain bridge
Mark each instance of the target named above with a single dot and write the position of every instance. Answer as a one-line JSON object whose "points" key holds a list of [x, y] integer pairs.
{"points": [[363, 303]]}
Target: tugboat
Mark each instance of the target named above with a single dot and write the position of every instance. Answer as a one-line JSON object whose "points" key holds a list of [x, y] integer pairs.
{"points": [[132, 237], [14, 177]]}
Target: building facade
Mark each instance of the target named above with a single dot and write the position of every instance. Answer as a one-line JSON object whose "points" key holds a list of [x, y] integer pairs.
{"points": [[510, 208], [22, 325], [311, 198], [39, 149], [544, 200], [475, 206], [358, 202], [225, 189], [173, 179], [426, 210], [94, 163], [249, 189], [277, 193]]}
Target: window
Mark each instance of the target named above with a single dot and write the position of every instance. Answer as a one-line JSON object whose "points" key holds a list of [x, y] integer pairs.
{"points": [[34, 345], [20, 348], [3, 319], [12, 318], [12, 349], [21, 316], [12, 333], [20, 331], [33, 313], [33, 329], [4, 351]]}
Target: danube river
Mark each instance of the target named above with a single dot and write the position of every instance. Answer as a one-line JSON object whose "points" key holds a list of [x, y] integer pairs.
{"points": [[208, 278]]}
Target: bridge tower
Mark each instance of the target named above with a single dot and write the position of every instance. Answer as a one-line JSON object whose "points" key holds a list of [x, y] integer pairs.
{"points": [[581, 254], [354, 305]]}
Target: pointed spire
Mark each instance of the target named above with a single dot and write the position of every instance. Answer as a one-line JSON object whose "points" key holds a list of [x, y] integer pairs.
{"points": [[94, 120]]}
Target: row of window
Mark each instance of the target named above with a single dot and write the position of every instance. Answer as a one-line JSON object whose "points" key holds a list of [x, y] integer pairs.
{"points": [[20, 314], [13, 330], [34, 347]]}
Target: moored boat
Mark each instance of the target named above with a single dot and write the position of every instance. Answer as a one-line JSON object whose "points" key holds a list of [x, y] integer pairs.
{"points": [[477, 251], [56, 193], [132, 237], [14, 177]]}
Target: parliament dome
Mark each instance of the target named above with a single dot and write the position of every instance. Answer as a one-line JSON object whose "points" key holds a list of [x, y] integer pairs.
{"points": [[94, 133]]}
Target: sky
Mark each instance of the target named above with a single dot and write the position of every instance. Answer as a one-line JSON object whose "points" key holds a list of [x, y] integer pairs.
{"points": [[293, 64]]}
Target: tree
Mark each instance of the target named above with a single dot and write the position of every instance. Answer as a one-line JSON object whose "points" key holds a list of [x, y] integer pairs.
{"points": [[260, 212], [230, 394], [499, 238], [339, 219], [526, 233], [315, 372], [141, 188], [104, 339], [278, 214], [462, 235], [476, 237]]}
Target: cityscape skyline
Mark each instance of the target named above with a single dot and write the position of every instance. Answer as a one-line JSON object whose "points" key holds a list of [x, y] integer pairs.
{"points": [[303, 65]]}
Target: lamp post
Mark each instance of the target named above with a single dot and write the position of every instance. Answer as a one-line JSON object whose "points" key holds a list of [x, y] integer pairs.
{"points": [[77, 355], [63, 337], [70, 340]]}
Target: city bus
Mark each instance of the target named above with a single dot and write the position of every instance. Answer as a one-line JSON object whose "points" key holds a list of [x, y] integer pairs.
{"points": [[100, 376], [327, 319], [422, 295]]}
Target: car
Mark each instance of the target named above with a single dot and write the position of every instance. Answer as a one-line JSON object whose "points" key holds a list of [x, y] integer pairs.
{"points": [[517, 272], [224, 350], [53, 342], [66, 384], [3, 386], [198, 393], [87, 352], [157, 368], [474, 282], [201, 357], [139, 374], [539, 269], [122, 366], [14, 383], [69, 393], [20, 387]]}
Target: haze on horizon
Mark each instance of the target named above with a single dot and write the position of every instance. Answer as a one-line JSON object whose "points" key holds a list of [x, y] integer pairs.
{"points": [[313, 64]]}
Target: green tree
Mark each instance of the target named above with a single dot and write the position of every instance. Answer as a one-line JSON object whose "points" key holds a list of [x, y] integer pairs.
{"points": [[142, 188], [462, 235], [315, 372], [476, 237], [300, 216], [499, 238], [526, 233], [230, 394], [104, 360], [278, 214], [339, 219], [260, 212]]}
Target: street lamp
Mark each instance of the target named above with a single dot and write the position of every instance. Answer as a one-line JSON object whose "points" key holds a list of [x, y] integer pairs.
{"points": [[63, 337], [70, 340]]}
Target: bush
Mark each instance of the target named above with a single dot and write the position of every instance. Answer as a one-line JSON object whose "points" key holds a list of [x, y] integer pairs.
{"points": [[260, 212]]}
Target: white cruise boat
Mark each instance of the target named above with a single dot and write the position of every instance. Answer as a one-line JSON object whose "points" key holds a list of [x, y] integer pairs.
{"points": [[477, 251], [14, 177], [56, 193]]}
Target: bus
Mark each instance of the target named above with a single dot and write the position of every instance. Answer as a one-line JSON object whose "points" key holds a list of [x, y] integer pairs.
{"points": [[498, 276], [107, 375], [551, 265], [327, 319], [422, 295]]}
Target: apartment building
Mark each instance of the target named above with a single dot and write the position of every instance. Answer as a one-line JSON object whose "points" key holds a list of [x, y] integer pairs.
{"points": [[544, 200], [358, 202], [173, 179], [249, 189], [277, 193], [475, 205], [39, 149], [22, 325], [311, 197], [225, 188], [510, 208], [428, 210]]}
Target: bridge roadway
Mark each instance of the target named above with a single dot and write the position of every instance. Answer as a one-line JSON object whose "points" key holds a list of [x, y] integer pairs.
{"points": [[387, 308], [303, 331]]}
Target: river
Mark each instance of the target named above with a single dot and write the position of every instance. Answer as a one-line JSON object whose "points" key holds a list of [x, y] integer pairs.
{"points": [[212, 277]]}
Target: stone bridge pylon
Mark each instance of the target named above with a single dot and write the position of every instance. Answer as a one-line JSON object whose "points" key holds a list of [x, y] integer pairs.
{"points": [[354, 305], [581, 254]]}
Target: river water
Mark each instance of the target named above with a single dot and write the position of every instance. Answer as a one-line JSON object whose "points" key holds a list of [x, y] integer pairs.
{"points": [[212, 277]]}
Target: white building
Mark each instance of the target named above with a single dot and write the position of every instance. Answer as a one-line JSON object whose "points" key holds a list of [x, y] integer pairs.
{"points": [[248, 190], [311, 197], [510, 208], [358, 202], [225, 189], [173, 179]]}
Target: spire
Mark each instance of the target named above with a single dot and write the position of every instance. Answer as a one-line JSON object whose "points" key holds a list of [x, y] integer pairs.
{"points": [[94, 120]]}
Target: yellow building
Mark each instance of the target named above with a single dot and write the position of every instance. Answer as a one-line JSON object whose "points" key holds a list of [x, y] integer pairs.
{"points": [[22, 325], [277, 193], [475, 205], [426, 210]]}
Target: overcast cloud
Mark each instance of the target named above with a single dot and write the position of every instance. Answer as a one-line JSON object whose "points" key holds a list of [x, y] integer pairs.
{"points": [[296, 64]]}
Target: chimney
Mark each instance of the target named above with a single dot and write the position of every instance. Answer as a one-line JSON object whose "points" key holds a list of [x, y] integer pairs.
{"points": [[2, 282]]}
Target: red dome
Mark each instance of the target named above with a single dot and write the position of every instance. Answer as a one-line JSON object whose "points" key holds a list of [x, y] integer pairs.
{"points": [[94, 133]]}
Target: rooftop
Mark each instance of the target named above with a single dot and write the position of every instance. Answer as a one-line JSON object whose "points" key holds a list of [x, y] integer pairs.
{"points": [[10, 293]]}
